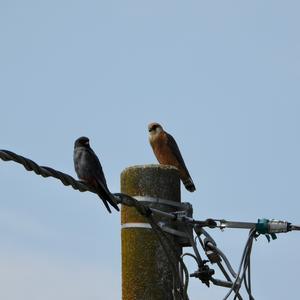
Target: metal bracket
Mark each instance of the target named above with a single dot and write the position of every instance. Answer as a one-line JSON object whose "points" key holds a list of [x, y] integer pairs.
{"points": [[147, 199], [204, 273], [167, 212], [172, 231]]}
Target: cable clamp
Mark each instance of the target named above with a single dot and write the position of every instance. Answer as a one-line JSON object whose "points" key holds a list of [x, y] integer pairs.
{"points": [[172, 231], [156, 200]]}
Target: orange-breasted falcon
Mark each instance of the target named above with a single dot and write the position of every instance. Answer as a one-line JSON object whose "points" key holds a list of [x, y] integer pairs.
{"points": [[167, 153]]}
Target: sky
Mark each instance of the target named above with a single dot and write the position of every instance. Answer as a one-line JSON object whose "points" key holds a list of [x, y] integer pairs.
{"points": [[221, 76]]}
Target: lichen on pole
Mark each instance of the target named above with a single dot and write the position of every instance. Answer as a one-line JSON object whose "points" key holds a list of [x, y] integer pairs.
{"points": [[146, 273]]}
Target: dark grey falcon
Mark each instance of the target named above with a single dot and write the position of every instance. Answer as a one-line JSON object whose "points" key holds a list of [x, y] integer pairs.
{"points": [[89, 170]]}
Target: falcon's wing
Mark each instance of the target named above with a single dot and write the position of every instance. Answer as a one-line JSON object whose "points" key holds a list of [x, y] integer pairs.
{"points": [[175, 149], [98, 174], [97, 170]]}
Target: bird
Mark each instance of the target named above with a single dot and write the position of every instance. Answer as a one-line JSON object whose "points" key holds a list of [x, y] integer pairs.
{"points": [[89, 170], [167, 152]]}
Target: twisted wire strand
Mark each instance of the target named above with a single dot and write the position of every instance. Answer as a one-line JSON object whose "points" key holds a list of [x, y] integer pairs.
{"points": [[68, 180], [44, 171]]}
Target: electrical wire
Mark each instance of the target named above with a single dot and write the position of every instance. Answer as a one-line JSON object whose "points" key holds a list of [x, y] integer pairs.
{"points": [[215, 248], [245, 269], [227, 277], [237, 282], [175, 258]]}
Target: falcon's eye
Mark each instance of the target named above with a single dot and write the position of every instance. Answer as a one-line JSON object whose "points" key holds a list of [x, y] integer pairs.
{"points": [[153, 127], [86, 142]]}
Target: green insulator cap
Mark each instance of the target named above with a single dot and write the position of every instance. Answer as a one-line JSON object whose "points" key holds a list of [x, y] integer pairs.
{"points": [[262, 226]]}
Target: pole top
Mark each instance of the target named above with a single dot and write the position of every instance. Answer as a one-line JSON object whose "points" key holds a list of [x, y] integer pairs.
{"points": [[150, 167], [158, 181]]}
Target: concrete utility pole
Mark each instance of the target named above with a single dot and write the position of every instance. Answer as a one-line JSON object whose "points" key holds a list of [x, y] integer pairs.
{"points": [[146, 274]]}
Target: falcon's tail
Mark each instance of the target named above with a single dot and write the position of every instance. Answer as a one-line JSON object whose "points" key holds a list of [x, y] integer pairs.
{"points": [[105, 203], [109, 198], [189, 185], [112, 201]]}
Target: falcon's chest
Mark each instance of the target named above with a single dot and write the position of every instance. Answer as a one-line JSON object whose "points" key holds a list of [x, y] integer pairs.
{"points": [[81, 161], [161, 149]]}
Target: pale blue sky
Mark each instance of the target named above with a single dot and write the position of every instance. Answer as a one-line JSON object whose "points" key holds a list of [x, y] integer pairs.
{"points": [[221, 76]]}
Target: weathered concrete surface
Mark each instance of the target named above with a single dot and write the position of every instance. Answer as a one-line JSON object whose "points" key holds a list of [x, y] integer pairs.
{"points": [[146, 274]]}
